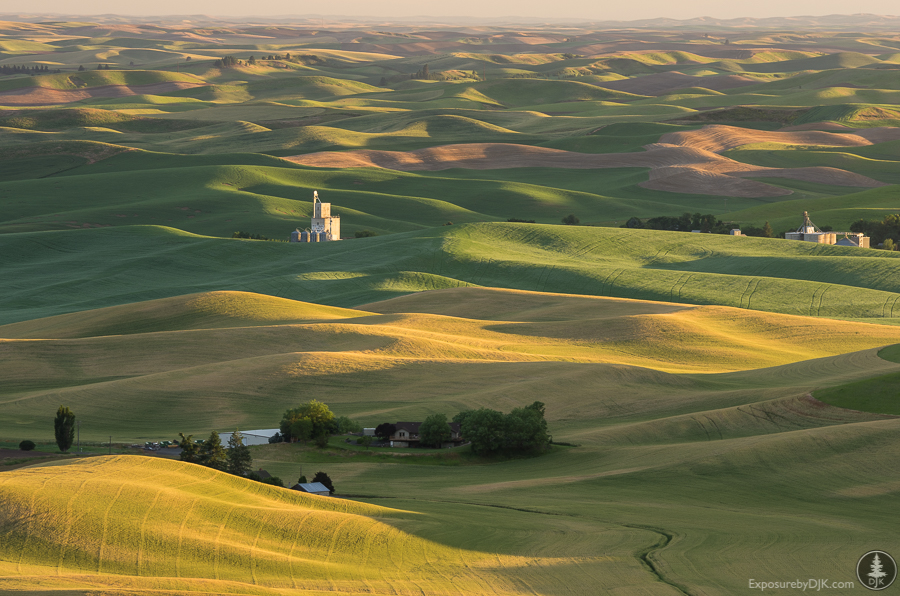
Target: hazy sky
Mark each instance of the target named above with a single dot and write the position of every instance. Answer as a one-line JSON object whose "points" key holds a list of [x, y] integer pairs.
{"points": [[587, 9]]}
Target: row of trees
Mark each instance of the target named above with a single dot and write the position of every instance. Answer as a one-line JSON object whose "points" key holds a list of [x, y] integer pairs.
{"points": [[706, 223], [886, 231], [10, 69], [524, 430], [232, 61], [236, 459]]}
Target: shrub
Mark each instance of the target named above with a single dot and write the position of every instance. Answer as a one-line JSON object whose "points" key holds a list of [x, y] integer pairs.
{"points": [[27, 445], [274, 481], [364, 234]]}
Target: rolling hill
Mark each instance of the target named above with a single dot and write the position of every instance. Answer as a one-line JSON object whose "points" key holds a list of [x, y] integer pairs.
{"points": [[722, 408]]}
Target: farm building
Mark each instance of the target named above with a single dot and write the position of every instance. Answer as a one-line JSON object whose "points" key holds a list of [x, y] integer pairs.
{"points": [[323, 227], [252, 437], [312, 488], [407, 435], [809, 232]]}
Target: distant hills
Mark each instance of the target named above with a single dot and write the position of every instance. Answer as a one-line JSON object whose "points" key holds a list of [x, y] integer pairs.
{"points": [[862, 21]]}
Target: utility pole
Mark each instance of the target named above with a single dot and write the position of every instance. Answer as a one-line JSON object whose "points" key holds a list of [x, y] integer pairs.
{"points": [[110, 444], [78, 424]]}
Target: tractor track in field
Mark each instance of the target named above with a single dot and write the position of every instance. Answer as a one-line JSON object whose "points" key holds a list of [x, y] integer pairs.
{"points": [[647, 556]]}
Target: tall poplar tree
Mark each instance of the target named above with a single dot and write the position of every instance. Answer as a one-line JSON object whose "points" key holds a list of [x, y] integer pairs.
{"points": [[64, 428]]}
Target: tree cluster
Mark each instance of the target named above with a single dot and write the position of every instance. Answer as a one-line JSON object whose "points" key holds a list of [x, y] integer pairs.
{"points": [[422, 73], [310, 421], [524, 430], [234, 459], [684, 223], [517, 220], [880, 231], [434, 431], [103, 67], [248, 236], [763, 232], [10, 69], [364, 234], [227, 62], [571, 220]]}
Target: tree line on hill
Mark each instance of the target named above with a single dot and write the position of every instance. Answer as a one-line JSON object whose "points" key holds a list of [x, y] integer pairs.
{"points": [[11, 69], [706, 223], [232, 61], [522, 431], [886, 231]]}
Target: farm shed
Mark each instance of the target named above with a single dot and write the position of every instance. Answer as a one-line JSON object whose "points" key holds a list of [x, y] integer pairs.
{"points": [[313, 488]]}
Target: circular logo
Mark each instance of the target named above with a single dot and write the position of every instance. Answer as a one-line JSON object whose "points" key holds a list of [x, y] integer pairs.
{"points": [[876, 570]]}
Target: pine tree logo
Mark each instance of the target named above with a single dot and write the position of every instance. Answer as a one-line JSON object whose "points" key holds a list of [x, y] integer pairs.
{"points": [[876, 570]]}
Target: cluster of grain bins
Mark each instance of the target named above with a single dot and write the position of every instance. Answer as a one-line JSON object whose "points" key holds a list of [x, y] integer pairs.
{"points": [[808, 232]]}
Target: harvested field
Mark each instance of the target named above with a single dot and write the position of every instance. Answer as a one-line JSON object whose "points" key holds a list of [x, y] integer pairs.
{"points": [[43, 96], [719, 138], [675, 167]]}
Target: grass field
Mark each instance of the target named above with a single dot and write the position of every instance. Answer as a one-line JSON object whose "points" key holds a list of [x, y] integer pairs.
{"points": [[54, 272], [723, 408]]}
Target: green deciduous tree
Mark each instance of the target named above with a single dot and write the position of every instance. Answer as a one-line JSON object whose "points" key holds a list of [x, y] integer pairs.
{"points": [[434, 431], [489, 431], [385, 430], [571, 220], [525, 429], [344, 425], [189, 452], [483, 428], [212, 454], [364, 441], [238, 459], [64, 428], [320, 421]]}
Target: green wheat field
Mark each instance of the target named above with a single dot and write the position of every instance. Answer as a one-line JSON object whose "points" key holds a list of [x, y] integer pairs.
{"points": [[723, 409]]}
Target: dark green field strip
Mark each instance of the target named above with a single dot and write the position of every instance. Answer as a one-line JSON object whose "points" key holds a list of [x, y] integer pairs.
{"points": [[55, 272], [879, 395]]}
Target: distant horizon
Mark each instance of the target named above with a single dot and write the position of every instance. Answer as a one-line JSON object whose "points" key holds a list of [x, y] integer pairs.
{"points": [[465, 11]]}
